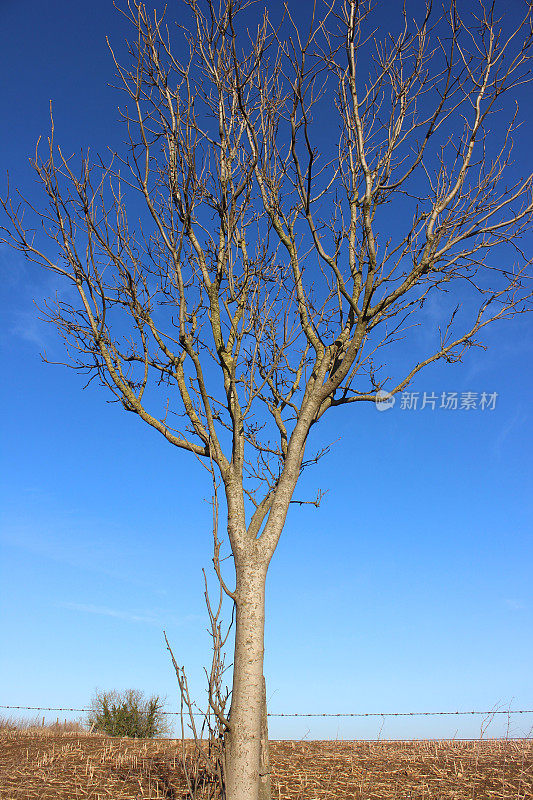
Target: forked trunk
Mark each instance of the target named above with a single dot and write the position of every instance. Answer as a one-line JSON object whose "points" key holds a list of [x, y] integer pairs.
{"points": [[244, 763]]}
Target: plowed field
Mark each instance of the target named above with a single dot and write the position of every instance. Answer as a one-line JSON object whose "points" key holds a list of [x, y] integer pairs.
{"points": [[45, 766]]}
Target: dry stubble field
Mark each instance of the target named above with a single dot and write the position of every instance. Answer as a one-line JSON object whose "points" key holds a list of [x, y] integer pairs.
{"points": [[38, 765]]}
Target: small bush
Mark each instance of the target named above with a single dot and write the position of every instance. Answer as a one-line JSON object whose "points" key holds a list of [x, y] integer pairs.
{"points": [[127, 714]]}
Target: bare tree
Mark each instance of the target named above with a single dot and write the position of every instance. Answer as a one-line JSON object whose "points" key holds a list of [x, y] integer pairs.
{"points": [[305, 192]]}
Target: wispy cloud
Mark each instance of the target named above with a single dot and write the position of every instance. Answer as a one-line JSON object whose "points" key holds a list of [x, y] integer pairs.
{"points": [[28, 287], [518, 417], [515, 605], [68, 538], [111, 612], [157, 617], [26, 325]]}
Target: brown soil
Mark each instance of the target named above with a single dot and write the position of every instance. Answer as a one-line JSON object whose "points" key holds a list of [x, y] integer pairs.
{"points": [[46, 766]]}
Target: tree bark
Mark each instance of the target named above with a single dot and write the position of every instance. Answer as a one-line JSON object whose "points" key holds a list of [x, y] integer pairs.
{"points": [[248, 711], [265, 783]]}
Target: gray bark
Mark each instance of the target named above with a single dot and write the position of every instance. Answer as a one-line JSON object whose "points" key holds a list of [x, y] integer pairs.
{"points": [[243, 756], [265, 783]]}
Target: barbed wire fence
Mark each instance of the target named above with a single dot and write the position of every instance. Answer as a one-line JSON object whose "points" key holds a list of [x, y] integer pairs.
{"points": [[487, 715], [342, 714]]}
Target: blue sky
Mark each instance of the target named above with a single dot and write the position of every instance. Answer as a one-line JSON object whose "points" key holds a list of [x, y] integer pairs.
{"points": [[409, 589]]}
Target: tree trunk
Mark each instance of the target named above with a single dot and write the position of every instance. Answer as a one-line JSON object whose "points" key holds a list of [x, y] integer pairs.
{"points": [[243, 745], [265, 783]]}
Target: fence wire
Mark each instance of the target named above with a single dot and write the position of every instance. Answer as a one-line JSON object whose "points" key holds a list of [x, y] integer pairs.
{"points": [[270, 714]]}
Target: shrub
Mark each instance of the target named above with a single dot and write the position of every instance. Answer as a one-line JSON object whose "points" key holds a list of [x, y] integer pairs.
{"points": [[127, 714]]}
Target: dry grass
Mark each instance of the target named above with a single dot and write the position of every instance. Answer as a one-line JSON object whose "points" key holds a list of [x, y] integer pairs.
{"points": [[38, 724], [37, 765]]}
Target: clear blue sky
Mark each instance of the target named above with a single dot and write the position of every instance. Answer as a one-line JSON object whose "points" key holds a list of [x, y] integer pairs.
{"points": [[409, 589]]}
